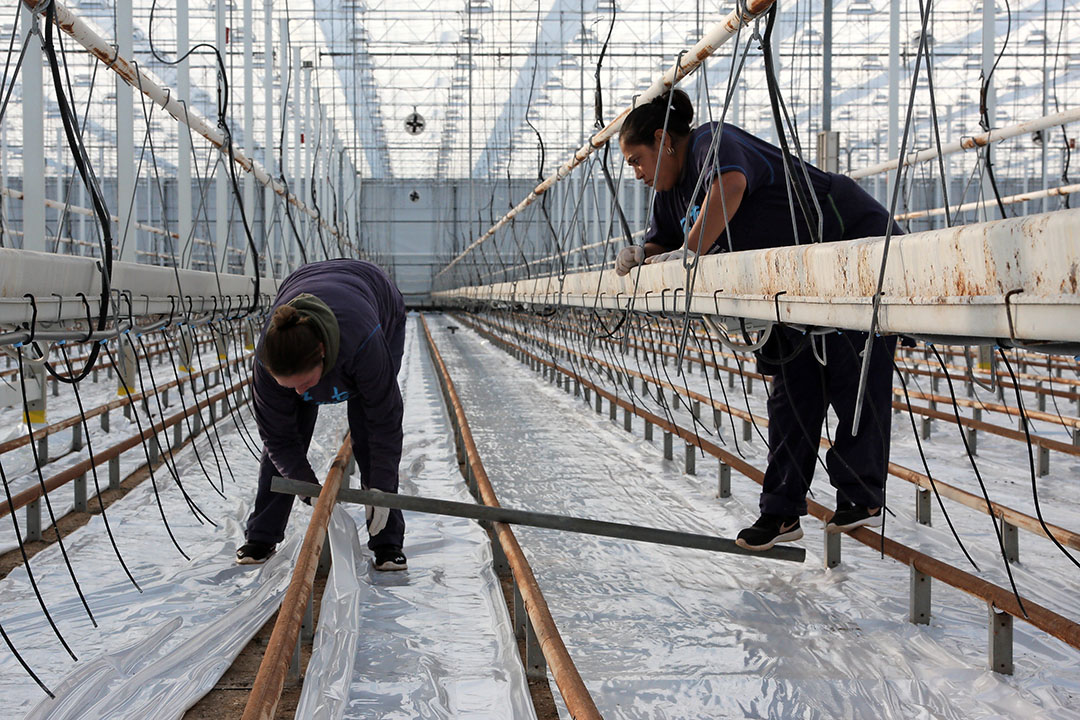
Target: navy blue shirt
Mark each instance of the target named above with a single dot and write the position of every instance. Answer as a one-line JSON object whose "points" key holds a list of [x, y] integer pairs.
{"points": [[368, 309], [763, 219]]}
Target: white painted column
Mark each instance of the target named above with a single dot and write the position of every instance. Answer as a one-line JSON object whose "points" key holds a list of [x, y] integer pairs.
{"points": [[126, 236], [33, 137], [989, 207], [221, 214], [249, 125], [283, 234], [894, 90], [184, 206], [305, 173], [266, 243]]}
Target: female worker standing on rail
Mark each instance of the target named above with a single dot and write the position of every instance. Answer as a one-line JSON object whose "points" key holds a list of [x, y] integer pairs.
{"points": [[742, 203], [336, 334]]}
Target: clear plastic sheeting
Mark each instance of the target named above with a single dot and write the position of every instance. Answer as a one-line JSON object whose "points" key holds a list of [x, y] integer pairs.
{"points": [[155, 653], [432, 642], [670, 633]]}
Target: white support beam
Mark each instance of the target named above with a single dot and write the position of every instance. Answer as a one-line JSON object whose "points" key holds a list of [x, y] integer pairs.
{"points": [[944, 283]]}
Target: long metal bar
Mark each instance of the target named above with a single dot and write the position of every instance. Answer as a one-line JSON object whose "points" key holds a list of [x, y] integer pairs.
{"points": [[690, 60], [949, 282], [87, 36], [531, 518]]}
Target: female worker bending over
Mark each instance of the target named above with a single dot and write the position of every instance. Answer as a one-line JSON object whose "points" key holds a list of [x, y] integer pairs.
{"points": [[742, 203], [336, 334]]}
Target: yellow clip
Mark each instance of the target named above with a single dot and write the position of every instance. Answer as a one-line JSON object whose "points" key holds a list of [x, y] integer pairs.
{"points": [[34, 417]]}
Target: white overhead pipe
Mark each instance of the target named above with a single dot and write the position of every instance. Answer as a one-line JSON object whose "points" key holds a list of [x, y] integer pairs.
{"points": [[691, 59], [973, 141], [967, 207], [166, 98]]}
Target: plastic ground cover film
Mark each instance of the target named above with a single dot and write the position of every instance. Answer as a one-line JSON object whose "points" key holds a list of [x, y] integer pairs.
{"points": [[155, 653], [432, 642], [670, 633]]}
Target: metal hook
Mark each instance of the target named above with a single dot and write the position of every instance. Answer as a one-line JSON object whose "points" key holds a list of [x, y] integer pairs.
{"points": [[89, 317], [1008, 313], [776, 305], [33, 317], [59, 305]]}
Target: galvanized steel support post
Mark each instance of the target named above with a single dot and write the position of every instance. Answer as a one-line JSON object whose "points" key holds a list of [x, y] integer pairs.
{"points": [[33, 521], [919, 597], [832, 549], [922, 506], [723, 489], [1010, 539], [1000, 631]]}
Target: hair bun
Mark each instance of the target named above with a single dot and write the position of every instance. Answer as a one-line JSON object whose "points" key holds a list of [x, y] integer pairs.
{"points": [[286, 317], [681, 107]]}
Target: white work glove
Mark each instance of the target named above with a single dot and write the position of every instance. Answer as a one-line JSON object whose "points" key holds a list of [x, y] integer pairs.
{"points": [[668, 256], [628, 258], [376, 519]]}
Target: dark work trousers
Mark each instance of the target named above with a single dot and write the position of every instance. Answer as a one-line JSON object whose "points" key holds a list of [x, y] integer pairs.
{"points": [[271, 513], [802, 391]]}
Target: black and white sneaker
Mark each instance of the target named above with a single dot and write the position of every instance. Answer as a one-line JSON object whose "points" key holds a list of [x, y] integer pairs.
{"points": [[254, 553], [388, 558], [853, 516], [769, 530]]}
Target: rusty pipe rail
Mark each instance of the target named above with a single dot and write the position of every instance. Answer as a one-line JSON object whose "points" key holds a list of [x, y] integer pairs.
{"points": [[166, 98], [1050, 622], [689, 61], [973, 141], [975, 205], [571, 686], [270, 680]]}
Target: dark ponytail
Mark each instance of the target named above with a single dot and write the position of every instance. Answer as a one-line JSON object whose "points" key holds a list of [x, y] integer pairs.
{"points": [[291, 343], [641, 124]]}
